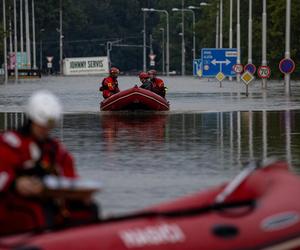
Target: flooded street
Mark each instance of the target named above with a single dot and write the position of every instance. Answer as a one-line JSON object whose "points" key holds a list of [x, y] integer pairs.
{"points": [[145, 158]]}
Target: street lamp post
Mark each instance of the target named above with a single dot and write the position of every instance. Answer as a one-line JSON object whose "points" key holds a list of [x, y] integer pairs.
{"points": [[182, 41], [21, 27], [33, 37], [168, 42], [144, 43], [194, 24], [4, 44], [163, 49], [28, 51], [60, 38], [15, 40], [221, 23], [217, 27]]}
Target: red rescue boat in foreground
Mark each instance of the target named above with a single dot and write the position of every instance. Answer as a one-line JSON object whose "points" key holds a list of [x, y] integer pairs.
{"points": [[259, 209], [135, 99]]}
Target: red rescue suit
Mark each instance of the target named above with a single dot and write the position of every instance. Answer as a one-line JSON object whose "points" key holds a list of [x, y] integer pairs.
{"points": [[109, 86], [158, 86], [21, 155]]}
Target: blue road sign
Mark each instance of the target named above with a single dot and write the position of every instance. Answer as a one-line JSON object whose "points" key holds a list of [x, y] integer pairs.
{"points": [[218, 60], [250, 68], [287, 66]]}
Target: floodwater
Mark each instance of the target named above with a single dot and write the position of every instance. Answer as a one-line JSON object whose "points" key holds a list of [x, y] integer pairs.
{"points": [[145, 158]]}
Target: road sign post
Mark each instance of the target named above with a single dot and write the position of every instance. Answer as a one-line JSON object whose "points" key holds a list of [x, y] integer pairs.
{"points": [[287, 66], [264, 72], [238, 68], [215, 61], [247, 77], [250, 68]]}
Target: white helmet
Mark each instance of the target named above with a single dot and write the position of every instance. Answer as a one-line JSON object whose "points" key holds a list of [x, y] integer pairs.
{"points": [[44, 108]]}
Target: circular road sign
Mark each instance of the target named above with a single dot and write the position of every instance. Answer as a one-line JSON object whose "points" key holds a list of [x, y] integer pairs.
{"points": [[250, 68], [264, 71], [238, 68], [287, 66]]}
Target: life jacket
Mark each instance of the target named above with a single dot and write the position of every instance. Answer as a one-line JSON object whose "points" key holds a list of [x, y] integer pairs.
{"points": [[158, 87], [109, 86]]}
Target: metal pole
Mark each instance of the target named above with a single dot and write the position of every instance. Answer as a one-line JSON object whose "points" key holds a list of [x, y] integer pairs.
{"points": [[41, 54], [33, 36], [163, 50], [238, 39], [221, 23], [10, 29], [230, 28], [168, 46], [15, 40], [287, 43], [60, 39], [28, 51], [194, 35], [41, 49], [182, 42], [230, 25], [4, 43], [144, 44], [250, 33], [21, 27], [217, 28], [264, 40]]}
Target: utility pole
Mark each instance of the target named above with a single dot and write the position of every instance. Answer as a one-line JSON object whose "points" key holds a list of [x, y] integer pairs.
{"points": [[4, 43]]}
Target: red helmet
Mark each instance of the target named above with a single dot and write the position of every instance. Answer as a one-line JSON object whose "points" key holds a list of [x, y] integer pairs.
{"points": [[143, 75], [114, 72]]}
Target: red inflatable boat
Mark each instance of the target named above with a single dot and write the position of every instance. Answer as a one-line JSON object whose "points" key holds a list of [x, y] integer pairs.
{"points": [[135, 99], [259, 209]]}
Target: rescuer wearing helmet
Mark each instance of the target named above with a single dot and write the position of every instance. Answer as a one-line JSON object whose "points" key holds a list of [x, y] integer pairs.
{"points": [[158, 85], [27, 155], [144, 78], [109, 85]]}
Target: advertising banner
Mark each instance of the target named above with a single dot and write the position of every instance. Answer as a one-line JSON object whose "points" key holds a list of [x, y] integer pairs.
{"points": [[85, 66]]}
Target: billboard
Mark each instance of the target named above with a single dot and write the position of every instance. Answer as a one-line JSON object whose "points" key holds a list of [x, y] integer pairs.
{"points": [[21, 60], [85, 65]]}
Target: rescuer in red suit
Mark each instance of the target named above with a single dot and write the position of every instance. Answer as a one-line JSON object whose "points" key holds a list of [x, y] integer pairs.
{"points": [[158, 85], [26, 156], [109, 85], [146, 83]]}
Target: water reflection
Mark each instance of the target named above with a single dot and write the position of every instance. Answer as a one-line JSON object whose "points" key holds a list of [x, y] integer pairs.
{"points": [[138, 129], [232, 137], [147, 158]]}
